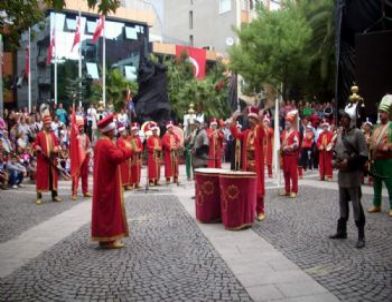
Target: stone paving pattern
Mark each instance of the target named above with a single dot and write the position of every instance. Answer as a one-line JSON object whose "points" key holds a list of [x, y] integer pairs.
{"points": [[167, 258], [299, 228], [18, 212]]}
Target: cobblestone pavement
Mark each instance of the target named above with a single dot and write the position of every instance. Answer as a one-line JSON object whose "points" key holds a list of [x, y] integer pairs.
{"points": [[166, 258], [18, 211], [300, 228]]}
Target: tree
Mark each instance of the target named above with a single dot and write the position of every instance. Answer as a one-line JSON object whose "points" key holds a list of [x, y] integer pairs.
{"points": [[115, 84], [321, 47], [19, 15], [272, 49], [208, 95]]}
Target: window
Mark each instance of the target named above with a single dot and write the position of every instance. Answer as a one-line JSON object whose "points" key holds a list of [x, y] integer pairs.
{"points": [[191, 40], [131, 33], [224, 6], [190, 19], [92, 70]]}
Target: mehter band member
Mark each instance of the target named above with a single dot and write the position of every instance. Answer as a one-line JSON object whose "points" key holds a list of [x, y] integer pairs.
{"points": [[46, 145], [171, 145], [381, 154], [252, 152], [324, 145], [136, 159], [83, 150], [154, 148], [109, 222], [290, 154]]}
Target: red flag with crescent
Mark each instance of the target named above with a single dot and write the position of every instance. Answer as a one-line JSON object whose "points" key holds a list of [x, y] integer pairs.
{"points": [[77, 34], [51, 47], [197, 56], [99, 28]]}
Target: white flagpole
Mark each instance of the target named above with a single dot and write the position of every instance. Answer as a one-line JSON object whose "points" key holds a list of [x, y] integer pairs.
{"points": [[80, 55], [104, 64], [55, 66], [29, 72], [276, 155]]}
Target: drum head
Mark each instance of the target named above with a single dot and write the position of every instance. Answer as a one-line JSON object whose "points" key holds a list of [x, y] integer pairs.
{"points": [[209, 170], [237, 173]]}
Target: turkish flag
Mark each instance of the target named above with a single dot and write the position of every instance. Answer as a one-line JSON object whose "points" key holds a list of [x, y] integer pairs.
{"points": [[52, 45], [197, 56], [99, 28], [27, 61], [77, 35]]}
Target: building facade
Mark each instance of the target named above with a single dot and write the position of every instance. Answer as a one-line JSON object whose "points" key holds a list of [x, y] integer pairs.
{"points": [[208, 23], [126, 36]]}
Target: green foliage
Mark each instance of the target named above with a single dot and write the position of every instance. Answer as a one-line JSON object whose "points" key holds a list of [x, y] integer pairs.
{"points": [[271, 48], [115, 84], [19, 15], [293, 46], [208, 95]]}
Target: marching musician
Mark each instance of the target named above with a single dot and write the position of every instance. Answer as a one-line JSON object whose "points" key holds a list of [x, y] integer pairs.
{"points": [[170, 146], [46, 146], [306, 156], [324, 145], [85, 146], [109, 222], [154, 148], [268, 144], [252, 152], [381, 154], [125, 166], [136, 159], [290, 153], [215, 137]]}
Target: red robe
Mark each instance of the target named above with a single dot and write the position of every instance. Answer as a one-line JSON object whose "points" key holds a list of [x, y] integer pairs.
{"points": [[49, 145], [85, 144], [253, 142], [154, 148], [170, 143], [307, 140], [136, 159], [268, 146], [109, 221], [325, 157], [215, 148], [125, 166], [290, 160]]}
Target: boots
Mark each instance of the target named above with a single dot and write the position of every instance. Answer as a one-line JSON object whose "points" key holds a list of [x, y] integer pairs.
{"points": [[341, 232], [361, 235]]}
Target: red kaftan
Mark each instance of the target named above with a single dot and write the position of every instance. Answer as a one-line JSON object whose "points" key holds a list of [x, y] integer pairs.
{"points": [[170, 143], [325, 157], [125, 166], [48, 143], [136, 160], [290, 159], [109, 221], [154, 148], [215, 148], [253, 158]]}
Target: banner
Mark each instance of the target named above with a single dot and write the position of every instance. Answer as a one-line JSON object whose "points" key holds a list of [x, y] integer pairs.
{"points": [[51, 48], [197, 56]]}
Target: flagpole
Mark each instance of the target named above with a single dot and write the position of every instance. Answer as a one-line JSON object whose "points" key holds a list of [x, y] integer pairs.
{"points": [[29, 72], [276, 155], [80, 56], [104, 65], [55, 67]]}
